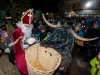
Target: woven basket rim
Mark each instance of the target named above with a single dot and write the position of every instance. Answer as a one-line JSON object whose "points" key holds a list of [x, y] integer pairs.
{"points": [[41, 70]]}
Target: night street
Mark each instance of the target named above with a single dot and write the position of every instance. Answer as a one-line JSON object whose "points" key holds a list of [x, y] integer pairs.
{"points": [[50, 37]]}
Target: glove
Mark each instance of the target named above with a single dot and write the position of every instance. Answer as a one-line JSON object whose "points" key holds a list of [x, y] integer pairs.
{"points": [[11, 44], [31, 40], [7, 50]]}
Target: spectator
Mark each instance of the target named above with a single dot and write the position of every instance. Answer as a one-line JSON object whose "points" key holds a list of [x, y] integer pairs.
{"points": [[79, 44], [92, 33], [95, 65], [42, 33], [6, 45], [98, 46], [79, 31], [48, 35], [80, 26], [36, 31]]}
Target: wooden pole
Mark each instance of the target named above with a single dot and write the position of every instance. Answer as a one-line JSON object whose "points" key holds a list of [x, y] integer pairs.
{"points": [[7, 28]]}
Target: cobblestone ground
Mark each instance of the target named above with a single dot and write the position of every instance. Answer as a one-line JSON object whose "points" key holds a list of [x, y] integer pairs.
{"points": [[78, 65], [6, 68]]}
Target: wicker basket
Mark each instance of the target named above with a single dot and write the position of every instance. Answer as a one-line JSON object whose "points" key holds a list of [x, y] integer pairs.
{"points": [[47, 57]]}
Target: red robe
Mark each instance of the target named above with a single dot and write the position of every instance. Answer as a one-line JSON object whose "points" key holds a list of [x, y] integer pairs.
{"points": [[19, 52]]}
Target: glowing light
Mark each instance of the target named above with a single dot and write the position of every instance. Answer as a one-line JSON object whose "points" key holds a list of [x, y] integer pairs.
{"points": [[88, 4], [23, 12], [47, 13]]}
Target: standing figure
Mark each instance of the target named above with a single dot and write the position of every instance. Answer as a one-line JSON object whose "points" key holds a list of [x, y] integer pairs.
{"points": [[93, 32], [98, 46], [95, 65], [42, 33], [22, 39], [80, 33], [6, 45]]}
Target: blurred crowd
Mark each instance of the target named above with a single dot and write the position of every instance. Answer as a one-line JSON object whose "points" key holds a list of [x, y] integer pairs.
{"points": [[84, 26]]}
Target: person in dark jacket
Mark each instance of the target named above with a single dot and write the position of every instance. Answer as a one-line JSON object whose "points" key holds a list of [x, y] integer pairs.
{"points": [[93, 32], [98, 46], [6, 45], [90, 47], [42, 33]]}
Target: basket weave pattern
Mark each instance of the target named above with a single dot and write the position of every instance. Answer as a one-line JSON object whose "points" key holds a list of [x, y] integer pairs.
{"points": [[47, 57]]}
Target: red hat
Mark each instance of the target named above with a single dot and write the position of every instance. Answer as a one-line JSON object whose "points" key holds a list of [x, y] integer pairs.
{"points": [[27, 18]]}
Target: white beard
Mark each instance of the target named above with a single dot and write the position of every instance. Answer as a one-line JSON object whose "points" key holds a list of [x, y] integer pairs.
{"points": [[27, 33]]}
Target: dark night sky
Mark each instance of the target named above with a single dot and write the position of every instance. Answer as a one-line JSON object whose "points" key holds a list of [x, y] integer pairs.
{"points": [[46, 5]]}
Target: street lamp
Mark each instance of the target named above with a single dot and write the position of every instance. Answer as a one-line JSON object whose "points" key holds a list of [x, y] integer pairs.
{"points": [[88, 4]]}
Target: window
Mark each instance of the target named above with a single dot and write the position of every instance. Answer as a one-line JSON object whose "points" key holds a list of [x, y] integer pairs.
{"points": [[98, 4], [73, 6], [69, 7], [7, 14]]}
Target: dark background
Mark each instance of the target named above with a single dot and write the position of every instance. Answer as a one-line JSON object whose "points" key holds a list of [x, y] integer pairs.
{"points": [[45, 5]]}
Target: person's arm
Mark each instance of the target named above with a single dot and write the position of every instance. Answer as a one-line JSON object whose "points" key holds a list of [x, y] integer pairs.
{"points": [[16, 37], [93, 63], [11, 41]]}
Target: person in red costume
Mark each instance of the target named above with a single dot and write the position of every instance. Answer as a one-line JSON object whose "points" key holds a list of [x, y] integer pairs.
{"points": [[22, 39]]}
